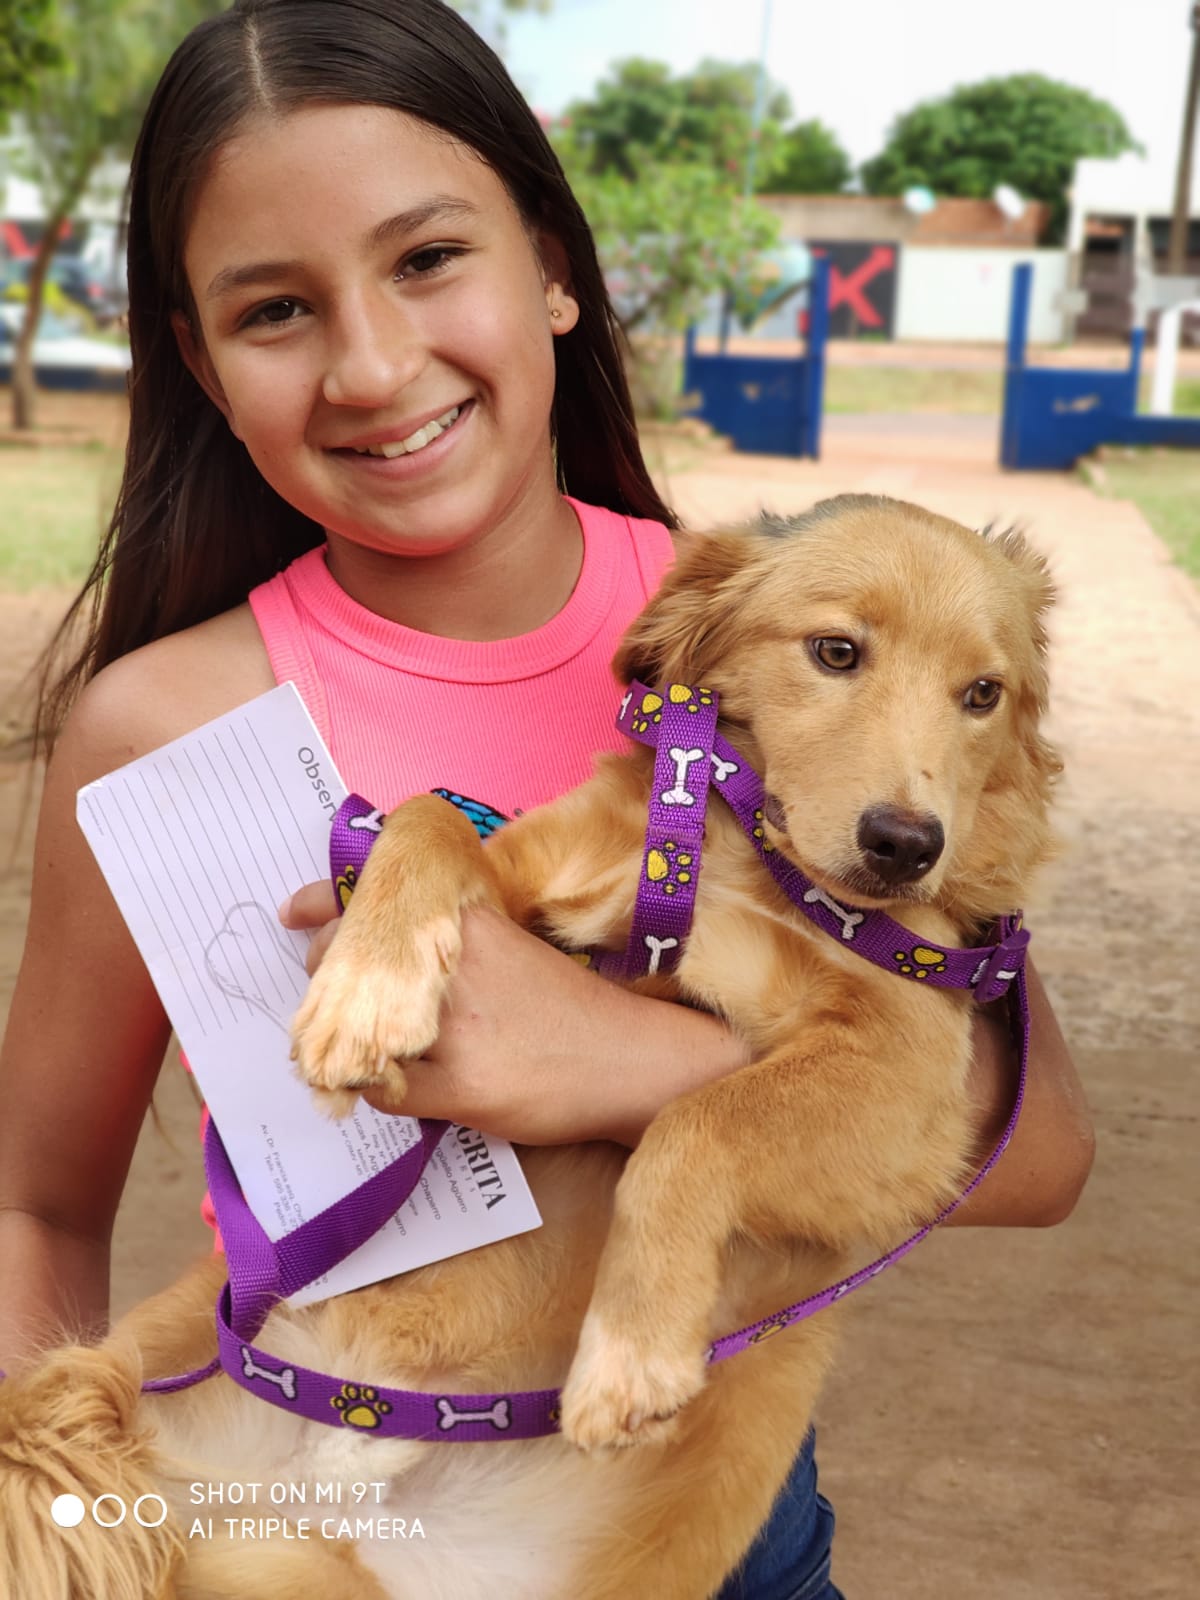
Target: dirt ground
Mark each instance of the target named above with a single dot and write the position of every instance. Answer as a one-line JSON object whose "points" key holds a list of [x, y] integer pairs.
{"points": [[1013, 1416]]}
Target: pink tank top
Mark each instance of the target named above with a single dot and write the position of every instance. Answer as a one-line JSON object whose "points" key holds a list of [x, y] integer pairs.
{"points": [[512, 722]]}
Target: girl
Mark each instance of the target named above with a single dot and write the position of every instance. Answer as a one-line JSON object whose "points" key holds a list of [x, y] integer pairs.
{"points": [[372, 356]]}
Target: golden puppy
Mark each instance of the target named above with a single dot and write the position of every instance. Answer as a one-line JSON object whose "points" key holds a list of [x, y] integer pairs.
{"points": [[883, 669]]}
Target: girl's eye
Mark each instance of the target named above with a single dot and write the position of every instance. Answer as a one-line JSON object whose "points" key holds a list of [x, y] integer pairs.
{"points": [[839, 655], [424, 263], [274, 313], [982, 695]]}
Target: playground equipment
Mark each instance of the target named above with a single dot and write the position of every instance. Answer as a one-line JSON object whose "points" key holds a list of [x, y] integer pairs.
{"points": [[1054, 415], [767, 405]]}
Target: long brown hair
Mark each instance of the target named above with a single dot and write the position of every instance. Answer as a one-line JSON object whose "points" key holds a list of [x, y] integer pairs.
{"points": [[195, 527]]}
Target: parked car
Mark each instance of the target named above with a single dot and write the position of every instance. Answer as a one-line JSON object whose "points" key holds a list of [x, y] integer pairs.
{"points": [[62, 357], [76, 281]]}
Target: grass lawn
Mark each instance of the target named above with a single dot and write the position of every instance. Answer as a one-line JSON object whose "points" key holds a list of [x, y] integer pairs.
{"points": [[908, 389], [964, 391], [1165, 486], [56, 494], [54, 503]]}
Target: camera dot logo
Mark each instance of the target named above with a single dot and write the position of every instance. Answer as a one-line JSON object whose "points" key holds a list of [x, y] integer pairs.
{"points": [[68, 1510], [109, 1510]]}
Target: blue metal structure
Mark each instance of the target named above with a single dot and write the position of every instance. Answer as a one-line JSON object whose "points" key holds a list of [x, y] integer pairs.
{"points": [[1054, 415], [767, 405]]}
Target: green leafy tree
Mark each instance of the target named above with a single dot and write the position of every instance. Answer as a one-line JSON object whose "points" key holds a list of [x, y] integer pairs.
{"points": [[641, 112], [669, 236], [106, 56], [25, 48], [1027, 131], [808, 160]]}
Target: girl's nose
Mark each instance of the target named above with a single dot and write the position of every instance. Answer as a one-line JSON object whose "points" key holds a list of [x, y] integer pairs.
{"points": [[374, 351]]}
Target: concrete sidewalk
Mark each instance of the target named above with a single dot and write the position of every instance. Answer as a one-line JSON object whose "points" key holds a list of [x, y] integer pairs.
{"points": [[1008, 1420]]}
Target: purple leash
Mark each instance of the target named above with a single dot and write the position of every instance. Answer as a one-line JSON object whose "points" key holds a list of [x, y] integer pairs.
{"points": [[690, 755]]}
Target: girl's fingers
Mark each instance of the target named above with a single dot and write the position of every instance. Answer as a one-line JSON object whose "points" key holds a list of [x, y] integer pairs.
{"points": [[318, 945], [310, 907]]}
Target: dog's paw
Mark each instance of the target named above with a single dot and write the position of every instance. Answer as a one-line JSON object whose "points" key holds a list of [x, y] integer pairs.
{"points": [[618, 1393], [362, 1017]]}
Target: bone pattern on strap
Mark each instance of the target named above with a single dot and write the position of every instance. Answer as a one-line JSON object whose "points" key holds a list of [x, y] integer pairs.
{"points": [[399, 1413], [987, 970]]}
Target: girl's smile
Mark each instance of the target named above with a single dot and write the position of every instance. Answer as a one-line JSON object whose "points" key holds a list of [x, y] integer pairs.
{"points": [[373, 318], [419, 439]]}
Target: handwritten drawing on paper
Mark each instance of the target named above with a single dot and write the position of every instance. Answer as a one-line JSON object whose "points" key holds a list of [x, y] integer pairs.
{"points": [[234, 958], [199, 842]]}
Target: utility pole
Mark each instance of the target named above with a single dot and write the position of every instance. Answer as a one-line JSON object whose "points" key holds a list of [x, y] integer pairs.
{"points": [[760, 100], [1177, 249]]}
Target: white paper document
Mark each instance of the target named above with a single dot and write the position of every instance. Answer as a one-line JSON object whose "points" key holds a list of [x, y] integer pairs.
{"points": [[200, 841]]}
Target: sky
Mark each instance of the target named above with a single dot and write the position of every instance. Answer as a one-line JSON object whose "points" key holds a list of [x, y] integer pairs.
{"points": [[857, 64]]}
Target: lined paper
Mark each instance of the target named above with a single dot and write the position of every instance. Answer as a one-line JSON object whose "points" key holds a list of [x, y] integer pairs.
{"points": [[200, 841]]}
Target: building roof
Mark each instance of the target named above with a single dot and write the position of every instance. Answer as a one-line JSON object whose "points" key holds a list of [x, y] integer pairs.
{"points": [[886, 218]]}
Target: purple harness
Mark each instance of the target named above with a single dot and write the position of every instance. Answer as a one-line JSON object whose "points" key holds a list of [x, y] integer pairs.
{"points": [[680, 722]]}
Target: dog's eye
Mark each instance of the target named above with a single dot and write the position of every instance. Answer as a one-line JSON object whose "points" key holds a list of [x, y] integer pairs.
{"points": [[982, 695], [839, 655]]}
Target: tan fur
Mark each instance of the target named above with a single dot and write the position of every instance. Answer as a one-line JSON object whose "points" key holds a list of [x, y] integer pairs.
{"points": [[848, 1128]]}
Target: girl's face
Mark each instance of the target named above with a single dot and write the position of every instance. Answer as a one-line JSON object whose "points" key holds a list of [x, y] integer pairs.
{"points": [[375, 323]]}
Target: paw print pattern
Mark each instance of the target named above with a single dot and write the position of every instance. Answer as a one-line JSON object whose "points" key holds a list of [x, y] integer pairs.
{"points": [[771, 1327], [764, 843], [920, 961], [669, 866], [649, 711], [345, 885], [360, 1407], [682, 694]]}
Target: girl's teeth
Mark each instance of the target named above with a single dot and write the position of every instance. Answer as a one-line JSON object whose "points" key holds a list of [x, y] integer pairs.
{"points": [[415, 441]]}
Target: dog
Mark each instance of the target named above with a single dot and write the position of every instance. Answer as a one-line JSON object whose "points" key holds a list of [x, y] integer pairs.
{"points": [[884, 671]]}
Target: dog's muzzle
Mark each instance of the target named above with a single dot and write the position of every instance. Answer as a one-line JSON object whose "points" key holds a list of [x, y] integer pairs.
{"points": [[897, 845]]}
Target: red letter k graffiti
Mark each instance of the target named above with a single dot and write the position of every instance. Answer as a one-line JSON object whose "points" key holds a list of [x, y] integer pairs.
{"points": [[848, 290]]}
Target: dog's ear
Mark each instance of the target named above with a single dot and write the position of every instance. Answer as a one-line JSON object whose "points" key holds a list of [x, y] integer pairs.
{"points": [[684, 627], [1037, 595], [1013, 827]]}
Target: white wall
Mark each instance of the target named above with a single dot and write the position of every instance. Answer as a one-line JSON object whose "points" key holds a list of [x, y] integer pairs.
{"points": [[959, 292]]}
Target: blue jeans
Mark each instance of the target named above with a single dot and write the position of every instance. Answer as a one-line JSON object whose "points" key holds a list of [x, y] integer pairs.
{"points": [[789, 1560]]}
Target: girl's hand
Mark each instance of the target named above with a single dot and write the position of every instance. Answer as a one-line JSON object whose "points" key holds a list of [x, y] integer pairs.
{"points": [[535, 1048], [313, 907]]}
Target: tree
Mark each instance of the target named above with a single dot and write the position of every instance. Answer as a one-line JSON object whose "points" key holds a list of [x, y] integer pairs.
{"points": [[641, 112], [809, 160], [1027, 131], [88, 103], [25, 49], [669, 236]]}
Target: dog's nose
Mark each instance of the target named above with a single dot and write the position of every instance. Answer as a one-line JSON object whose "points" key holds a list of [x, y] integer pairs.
{"points": [[898, 845]]}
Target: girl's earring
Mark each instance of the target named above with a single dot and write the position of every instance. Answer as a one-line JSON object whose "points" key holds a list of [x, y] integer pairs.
{"points": [[555, 314]]}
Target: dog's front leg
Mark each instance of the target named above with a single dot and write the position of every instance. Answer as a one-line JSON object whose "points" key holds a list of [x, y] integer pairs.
{"points": [[374, 1001], [804, 1145]]}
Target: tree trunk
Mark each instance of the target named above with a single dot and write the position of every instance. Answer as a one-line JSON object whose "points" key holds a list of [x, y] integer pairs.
{"points": [[24, 384], [1177, 247]]}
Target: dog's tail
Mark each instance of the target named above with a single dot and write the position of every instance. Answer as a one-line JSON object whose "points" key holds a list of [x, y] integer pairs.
{"points": [[74, 1466]]}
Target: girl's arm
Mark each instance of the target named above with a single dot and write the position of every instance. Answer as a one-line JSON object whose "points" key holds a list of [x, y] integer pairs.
{"points": [[87, 1032], [536, 1049], [1042, 1173], [85, 1037]]}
